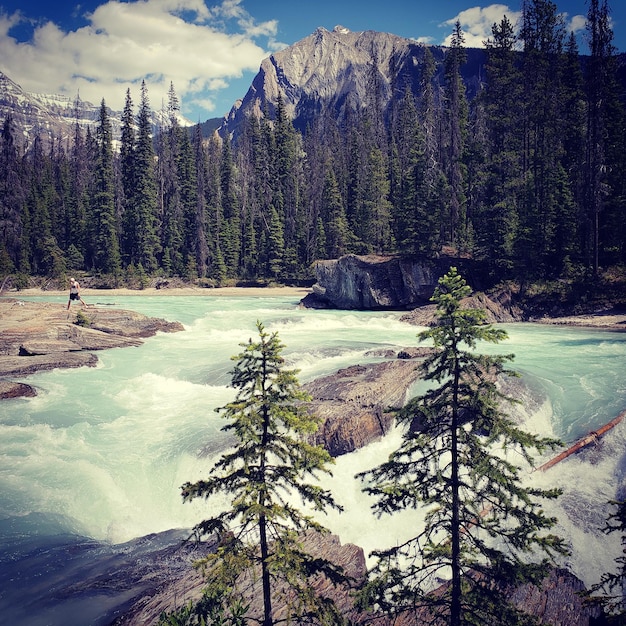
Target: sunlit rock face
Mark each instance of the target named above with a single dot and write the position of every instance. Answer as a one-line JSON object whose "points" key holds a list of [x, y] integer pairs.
{"points": [[333, 73]]}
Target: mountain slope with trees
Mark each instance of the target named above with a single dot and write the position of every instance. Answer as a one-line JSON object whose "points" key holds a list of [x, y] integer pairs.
{"points": [[511, 156]]}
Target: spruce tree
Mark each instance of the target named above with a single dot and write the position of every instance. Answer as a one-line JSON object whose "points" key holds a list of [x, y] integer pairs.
{"points": [[127, 169], [81, 171], [543, 34], [333, 215], [482, 526], [456, 119], [202, 227], [105, 252], [12, 198], [495, 224], [605, 134], [171, 180], [262, 529], [145, 244], [230, 231], [609, 592]]}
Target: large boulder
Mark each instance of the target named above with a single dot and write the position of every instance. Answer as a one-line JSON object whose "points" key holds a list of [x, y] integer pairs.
{"points": [[354, 403], [374, 282]]}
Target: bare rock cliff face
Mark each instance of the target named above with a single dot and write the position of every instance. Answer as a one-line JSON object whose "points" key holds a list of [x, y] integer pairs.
{"points": [[374, 282]]}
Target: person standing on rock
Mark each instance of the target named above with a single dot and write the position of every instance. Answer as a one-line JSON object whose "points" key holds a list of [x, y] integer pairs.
{"points": [[74, 293]]}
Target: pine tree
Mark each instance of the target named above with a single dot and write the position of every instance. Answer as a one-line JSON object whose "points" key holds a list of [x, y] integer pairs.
{"points": [[230, 232], [609, 592], [143, 222], [495, 224], [334, 217], [105, 254], [415, 224], [12, 198], [276, 244], [81, 171], [127, 168], [482, 526], [457, 120], [268, 465], [215, 215], [202, 225], [605, 133], [543, 35], [171, 181], [376, 204]]}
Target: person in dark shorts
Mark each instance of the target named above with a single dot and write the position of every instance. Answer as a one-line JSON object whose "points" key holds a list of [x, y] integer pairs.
{"points": [[74, 293]]}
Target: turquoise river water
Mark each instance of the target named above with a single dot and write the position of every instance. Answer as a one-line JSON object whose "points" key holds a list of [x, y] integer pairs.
{"points": [[101, 452]]}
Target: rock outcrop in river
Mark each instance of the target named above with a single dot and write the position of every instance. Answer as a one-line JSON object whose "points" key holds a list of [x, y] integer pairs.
{"points": [[40, 336], [167, 580], [354, 402], [373, 282]]}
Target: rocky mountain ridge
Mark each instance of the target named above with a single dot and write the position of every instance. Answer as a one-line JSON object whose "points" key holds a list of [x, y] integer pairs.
{"points": [[334, 72], [54, 116]]}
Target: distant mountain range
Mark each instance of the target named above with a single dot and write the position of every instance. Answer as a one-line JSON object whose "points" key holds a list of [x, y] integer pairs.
{"points": [[328, 72], [53, 115]]}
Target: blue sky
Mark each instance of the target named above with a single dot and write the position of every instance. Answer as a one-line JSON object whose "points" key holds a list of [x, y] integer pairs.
{"points": [[210, 50]]}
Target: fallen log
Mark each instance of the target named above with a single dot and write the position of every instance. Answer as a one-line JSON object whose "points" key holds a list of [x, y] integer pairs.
{"points": [[585, 441]]}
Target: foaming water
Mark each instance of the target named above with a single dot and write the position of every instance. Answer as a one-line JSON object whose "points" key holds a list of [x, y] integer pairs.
{"points": [[102, 452]]}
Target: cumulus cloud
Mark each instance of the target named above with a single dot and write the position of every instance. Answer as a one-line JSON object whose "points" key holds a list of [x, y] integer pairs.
{"points": [[198, 48], [476, 23], [576, 24]]}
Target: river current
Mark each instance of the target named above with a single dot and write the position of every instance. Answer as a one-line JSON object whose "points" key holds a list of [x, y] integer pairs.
{"points": [[99, 455]]}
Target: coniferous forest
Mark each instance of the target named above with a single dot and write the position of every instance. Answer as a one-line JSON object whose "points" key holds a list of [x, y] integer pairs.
{"points": [[527, 178]]}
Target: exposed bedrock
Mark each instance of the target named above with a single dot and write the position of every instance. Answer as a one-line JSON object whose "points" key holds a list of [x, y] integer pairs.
{"points": [[373, 282]]}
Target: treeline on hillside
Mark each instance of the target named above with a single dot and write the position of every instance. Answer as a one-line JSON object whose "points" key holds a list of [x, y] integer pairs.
{"points": [[528, 178]]}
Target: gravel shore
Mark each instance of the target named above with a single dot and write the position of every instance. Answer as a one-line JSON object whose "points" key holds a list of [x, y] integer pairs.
{"points": [[90, 294]]}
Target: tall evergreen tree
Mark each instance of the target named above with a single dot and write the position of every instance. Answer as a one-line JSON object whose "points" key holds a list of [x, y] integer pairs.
{"points": [[105, 252], [543, 35], [416, 217], [143, 218], [456, 109], [569, 250], [202, 225], [230, 231], [40, 201], [482, 526], [332, 212], [605, 125], [495, 225], [127, 169], [270, 463], [288, 169], [217, 265], [376, 204], [12, 201], [172, 212]]}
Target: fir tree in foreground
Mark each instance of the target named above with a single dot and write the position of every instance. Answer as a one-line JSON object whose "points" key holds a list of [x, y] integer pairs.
{"points": [[610, 591], [260, 532], [483, 529]]}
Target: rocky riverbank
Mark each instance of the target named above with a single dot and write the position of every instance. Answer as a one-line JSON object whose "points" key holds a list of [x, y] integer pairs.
{"points": [[41, 336]]}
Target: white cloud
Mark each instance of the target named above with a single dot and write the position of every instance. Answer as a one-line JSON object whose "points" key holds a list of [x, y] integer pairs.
{"points": [[163, 41], [576, 24], [477, 22]]}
